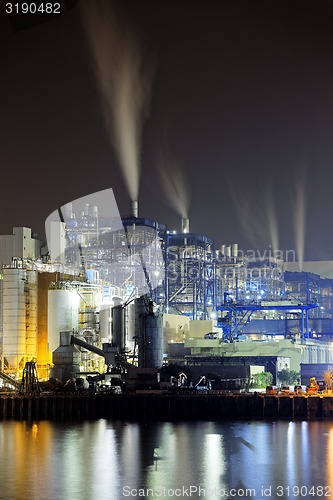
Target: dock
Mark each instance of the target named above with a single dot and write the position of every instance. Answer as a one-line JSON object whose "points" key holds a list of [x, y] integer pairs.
{"points": [[165, 407]]}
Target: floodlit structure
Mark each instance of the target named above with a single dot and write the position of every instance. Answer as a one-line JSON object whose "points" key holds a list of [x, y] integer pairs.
{"points": [[109, 281], [247, 278], [25, 333], [190, 274], [143, 268], [22, 244]]}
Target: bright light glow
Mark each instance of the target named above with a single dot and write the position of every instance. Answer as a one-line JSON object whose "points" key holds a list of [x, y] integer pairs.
{"points": [[214, 459]]}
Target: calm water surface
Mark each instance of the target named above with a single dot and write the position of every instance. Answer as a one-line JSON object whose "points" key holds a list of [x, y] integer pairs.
{"points": [[116, 460]]}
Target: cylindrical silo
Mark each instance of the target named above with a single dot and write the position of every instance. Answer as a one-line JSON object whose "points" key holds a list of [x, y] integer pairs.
{"points": [[14, 318], [130, 322], [118, 326], [63, 310], [105, 324], [151, 342], [31, 315]]}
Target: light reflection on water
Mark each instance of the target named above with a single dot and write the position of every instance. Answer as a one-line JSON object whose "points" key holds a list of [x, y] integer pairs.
{"points": [[88, 460]]}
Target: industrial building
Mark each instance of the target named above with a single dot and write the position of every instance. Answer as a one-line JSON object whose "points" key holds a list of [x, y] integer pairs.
{"points": [[121, 294]]}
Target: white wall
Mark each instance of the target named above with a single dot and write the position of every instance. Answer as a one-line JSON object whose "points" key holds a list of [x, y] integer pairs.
{"points": [[20, 244]]}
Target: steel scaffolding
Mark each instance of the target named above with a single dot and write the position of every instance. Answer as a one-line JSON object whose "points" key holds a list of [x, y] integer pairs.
{"points": [[190, 275]]}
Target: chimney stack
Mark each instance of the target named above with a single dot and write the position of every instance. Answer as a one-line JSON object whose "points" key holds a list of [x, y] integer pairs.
{"points": [[185, 225], [135, 209]]}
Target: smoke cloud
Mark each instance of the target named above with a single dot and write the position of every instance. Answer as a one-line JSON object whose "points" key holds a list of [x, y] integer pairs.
{"points": [[175, 187], [257, 215], [124, 80]]}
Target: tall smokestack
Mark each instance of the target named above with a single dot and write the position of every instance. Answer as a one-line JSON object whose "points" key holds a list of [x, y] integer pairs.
{"points": [[135, 209], [185, 225], [228, 251], [234, 250]]}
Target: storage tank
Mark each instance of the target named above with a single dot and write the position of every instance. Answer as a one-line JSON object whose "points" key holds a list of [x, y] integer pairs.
{"points": [[105, 324], [118, 326], [151, 341], [92, 276], [130, 322], [31, 315], [63, 314], [14, 318]]}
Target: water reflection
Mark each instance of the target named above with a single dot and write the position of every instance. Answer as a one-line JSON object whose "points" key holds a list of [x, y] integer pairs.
{"points": [[108, 460]]}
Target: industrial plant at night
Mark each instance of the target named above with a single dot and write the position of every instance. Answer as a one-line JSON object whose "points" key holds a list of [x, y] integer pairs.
{"points": [[115, 298], [114, 301], [166, 256]]}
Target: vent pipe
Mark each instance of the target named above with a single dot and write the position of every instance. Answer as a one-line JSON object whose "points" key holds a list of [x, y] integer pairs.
{"points": [[234, 250]]}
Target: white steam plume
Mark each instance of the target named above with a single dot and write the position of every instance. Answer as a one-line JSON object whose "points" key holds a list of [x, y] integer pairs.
{"points": [[124, 81], [271, 215], [258, 218], [300, 219], [176, 191]]}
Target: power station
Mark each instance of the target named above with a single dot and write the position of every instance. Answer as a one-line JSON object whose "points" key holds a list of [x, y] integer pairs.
{"points": [[121, 297]]}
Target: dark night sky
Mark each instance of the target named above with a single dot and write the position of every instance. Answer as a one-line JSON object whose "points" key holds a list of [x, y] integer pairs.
{"points": [[244, 89]]}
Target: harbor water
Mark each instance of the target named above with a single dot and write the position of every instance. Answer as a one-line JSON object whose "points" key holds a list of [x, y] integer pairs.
{"points": [[107, 459]]}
